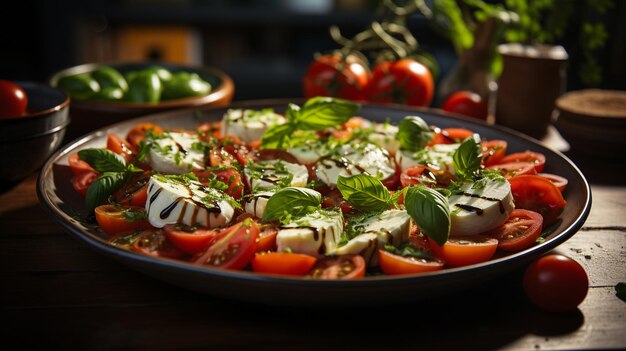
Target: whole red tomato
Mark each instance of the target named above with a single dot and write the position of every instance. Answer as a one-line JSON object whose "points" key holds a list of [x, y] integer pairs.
{"points": [[13, 100], [466, 103], [405, 81], [556, 283], [329, 76]]}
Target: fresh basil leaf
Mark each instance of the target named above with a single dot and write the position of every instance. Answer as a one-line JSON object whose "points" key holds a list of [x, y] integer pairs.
{"points": [[104, 186], [277, 135], [365, 192], [103, 160], [291, 200], [323, 112], [467, 158], [430, 211], [413, 133]]}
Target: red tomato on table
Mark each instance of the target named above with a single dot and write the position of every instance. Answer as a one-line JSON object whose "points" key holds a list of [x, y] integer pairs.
{"points": [[405, 81], [329, 76], [556, 283], [466, 103], [13, 100]]}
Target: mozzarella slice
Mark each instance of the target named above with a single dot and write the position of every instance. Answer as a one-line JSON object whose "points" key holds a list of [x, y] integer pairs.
{"points": [[275, 173], [176, 153], [389, 227], [438, 157], [308, 153], [250, 125], [314, 234], [384, 135], [171, 201], [353, 159], [255, 204], [475, 211]]}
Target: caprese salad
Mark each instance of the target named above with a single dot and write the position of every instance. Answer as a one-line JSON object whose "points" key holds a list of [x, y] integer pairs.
{"points": [[317, 192]]}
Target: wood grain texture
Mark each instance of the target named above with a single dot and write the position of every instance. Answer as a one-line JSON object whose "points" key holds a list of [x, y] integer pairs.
{"points": [[56, 292]]}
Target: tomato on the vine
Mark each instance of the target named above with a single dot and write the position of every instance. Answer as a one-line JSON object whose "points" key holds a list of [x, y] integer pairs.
{"points": [[405, 81], [466, 103], [329, 76], [556, 283], [13, 100]]}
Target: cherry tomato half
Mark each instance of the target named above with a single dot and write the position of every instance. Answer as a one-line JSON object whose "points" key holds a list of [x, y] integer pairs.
{"points": [[466, 103], [539, 160], [519, 232], [121, 147], [138, 133], [493, 151], [536, 193], [465, 250], [81, 182], [339, 267], [283, 263], [151, 242], [233, 248], [394, 264], [116, 219], [189, 239], [556, 283], [405, 81], [513, 169], [557, 180], [13, 100], [79, 166], [419, 174], [135, 191], [329, 76]]}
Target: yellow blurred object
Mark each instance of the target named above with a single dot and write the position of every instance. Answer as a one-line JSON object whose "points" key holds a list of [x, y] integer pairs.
{"points": [[174, 44]]}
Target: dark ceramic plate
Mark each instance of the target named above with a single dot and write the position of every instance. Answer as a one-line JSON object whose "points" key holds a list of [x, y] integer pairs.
{"points": [[56, 193]]}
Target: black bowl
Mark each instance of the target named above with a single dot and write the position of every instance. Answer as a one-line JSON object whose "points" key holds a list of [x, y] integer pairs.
{"points": [[27, 141]]}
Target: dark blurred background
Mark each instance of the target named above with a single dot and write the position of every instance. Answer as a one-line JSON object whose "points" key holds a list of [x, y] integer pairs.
{"points": [[265, 45]]}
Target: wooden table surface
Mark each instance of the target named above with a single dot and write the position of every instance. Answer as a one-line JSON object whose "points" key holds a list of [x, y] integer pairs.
{"points": [[57, 292]]}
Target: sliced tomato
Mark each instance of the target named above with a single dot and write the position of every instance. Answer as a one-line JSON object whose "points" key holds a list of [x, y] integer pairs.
{"points": [[395, 264], [339, 267], [557, 180], [227, 175], [493, 151], [419, 174], [283, 263], [465, 250], [514, 169], [81, 182], [121, 147], [190, 240], [538, 159], [116, 219], [233, 248], [79, 166], [138, 133], [151, 242], [134, 192], [239, 151], [519, 232], [267, 238], [536, 193], [450, 136]]}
